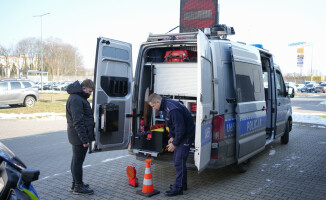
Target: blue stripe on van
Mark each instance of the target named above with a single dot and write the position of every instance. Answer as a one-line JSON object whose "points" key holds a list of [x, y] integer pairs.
{"points": [[229, 127], [247, 126], [251, 125], [206, 134]]}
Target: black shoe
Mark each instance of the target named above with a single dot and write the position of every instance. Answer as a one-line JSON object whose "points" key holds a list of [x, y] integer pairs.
{"points": [[73, 186], [171, 193], [81, 189], [184, 187]]}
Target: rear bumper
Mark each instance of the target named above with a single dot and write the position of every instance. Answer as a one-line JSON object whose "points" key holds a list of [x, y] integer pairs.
{"points": [[145, 152], [320, 90]]}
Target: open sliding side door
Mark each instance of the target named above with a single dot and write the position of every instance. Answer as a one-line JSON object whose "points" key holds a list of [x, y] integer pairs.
{"points": [[270, 95], [112, 95], [203, 138], [251, 105]]}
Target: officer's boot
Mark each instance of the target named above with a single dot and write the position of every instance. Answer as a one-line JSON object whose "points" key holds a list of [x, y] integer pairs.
{"points": [[81, 189]]}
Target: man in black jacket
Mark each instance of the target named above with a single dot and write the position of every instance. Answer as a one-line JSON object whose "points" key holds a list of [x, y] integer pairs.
{"points": [[80, 128]]}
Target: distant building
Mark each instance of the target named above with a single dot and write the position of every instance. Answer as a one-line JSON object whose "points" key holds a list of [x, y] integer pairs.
{"points": [[10, 66]]}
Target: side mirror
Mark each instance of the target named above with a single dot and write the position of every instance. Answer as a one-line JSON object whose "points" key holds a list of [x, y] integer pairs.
{"points": [[30, 175], [290, 92]]}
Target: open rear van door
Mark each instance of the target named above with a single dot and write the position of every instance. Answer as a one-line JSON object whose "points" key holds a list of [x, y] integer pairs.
{"points": [[251, 105], [203, 138], [112, 95]]}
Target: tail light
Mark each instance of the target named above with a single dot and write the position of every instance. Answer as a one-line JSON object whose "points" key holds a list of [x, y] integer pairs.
{"points": [[193, 107], [218, 134], [218, 128]]}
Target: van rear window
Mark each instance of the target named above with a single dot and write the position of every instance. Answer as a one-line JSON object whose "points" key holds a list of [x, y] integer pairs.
{"points": [[117, 53], [249, 78]]}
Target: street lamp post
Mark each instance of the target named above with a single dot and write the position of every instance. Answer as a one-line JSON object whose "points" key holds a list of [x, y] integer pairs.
{"points": [[40, 16], [312, 53]]}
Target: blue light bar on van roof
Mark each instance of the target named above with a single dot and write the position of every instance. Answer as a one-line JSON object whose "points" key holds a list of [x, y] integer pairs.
{"points": [[258, 45]]}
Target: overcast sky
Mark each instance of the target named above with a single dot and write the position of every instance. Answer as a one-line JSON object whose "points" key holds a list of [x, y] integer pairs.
{"points": [[275, 24]]}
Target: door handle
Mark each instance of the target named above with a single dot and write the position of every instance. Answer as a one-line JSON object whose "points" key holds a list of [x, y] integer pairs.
{"points": [[213, 112], [263, 108], [279, 104]]}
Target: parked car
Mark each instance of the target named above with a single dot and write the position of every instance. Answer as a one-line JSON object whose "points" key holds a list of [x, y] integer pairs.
{"points": [[61, 86], [309, 82], [47, 86], [321, 88], [309, 88], [64, 88], [299, 86], [18, 92]]}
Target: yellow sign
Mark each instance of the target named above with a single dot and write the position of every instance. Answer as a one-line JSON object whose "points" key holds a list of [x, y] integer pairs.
{"points": [[300, 50], [300, 57]]}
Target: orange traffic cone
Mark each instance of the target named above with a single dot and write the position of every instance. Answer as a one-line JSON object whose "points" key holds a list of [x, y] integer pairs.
{"points": [[148, 188]]}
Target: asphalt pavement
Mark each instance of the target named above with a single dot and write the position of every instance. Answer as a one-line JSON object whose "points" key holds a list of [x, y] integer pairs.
{"points": [[293, 171], [310, 103]]}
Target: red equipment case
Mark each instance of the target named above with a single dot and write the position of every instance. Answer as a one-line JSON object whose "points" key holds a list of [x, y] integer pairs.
{"points": [[179, 55]]}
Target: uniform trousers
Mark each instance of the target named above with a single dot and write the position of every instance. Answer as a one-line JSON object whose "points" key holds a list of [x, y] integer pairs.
{"points": [[180, 156]]}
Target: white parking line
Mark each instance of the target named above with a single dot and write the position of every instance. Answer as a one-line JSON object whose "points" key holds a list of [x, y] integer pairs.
{"points": [[111, 159], [85, 166]]}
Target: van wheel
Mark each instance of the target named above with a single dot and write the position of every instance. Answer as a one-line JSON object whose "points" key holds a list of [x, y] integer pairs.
{"points": [[29, 101], [242, 167], [285, 137]]}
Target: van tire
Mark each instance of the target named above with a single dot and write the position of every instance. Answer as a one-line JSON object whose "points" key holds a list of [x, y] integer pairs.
{"points": [[29, 101], [285, 137], [242, 167]]}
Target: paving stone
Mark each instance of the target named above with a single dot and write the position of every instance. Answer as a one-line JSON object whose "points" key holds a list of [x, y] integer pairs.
{"points": [[293, 171]]}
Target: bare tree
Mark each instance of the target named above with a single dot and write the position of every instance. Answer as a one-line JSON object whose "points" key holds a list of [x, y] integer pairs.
{"points": [[28, 49], [59, 59], [7, 53]]}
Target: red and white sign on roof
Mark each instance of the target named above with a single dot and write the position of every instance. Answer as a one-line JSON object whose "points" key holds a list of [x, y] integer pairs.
{"points": [[197, 14]]}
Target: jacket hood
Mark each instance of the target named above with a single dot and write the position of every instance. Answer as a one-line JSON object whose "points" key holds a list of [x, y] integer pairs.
{"points": [[74, 88]]}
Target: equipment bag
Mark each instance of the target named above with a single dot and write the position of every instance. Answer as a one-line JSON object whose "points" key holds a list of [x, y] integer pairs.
{"points": [[179, 56]]}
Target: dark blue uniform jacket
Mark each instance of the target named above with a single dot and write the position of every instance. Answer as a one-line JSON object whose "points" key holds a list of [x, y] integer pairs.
{"points": [[80, 120], [179, 120]]}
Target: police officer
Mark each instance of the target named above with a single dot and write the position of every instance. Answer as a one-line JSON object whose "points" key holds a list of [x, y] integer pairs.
{"points": [[182, 132]]}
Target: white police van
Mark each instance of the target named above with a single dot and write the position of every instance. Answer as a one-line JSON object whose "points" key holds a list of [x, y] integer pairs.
{"points": [[235, 92]]}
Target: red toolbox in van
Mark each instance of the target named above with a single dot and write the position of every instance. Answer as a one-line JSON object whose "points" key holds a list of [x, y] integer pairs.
{"points": [[179, 55]]}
